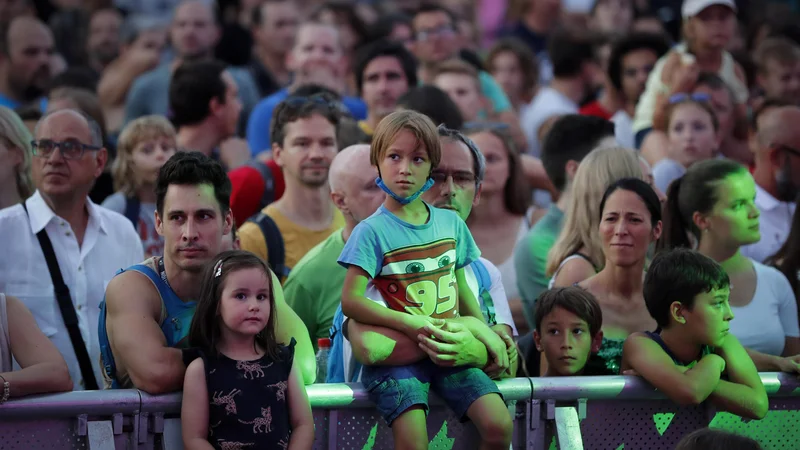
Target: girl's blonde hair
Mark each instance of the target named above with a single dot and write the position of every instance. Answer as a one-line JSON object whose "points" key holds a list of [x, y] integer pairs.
{"points": [[597, 171], [140, 130], [15, 135]]}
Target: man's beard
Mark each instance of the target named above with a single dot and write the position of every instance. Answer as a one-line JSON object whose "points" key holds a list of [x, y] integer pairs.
{"points": [[105, 54], [30, 91]]}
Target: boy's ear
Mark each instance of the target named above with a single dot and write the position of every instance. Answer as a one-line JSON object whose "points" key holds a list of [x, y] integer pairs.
{"points": [[676, 310], [537, 339], [597, 341]]}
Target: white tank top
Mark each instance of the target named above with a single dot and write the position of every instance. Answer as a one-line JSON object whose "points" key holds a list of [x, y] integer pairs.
{"points": [[643, 118]]}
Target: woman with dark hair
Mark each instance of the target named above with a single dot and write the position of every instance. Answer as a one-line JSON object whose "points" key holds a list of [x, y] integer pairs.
{"points": [[630, 220], [713, 207], [501, 219], [787, 258]]}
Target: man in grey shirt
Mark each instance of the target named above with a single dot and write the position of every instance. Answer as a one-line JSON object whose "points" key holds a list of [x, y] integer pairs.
{"points": [[194, 33]]}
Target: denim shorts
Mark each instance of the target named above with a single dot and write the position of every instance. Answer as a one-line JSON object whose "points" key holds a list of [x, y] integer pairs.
{"points": [[395, 389]]}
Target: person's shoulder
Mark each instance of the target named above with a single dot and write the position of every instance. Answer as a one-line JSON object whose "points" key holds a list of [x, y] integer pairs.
{"points": [[268, 103], [770, 276], [115, 202], [115, 223], [316, 258], [160, 74], [12, 214]]}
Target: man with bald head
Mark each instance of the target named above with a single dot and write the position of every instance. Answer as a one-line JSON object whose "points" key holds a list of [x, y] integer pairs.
{"points": [[89, 243], [314, 286], [777, 176], [194, 33], [26, 53]]}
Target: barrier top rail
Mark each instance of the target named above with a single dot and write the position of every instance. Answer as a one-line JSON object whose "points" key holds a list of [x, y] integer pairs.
{"points": [[352, 395]]}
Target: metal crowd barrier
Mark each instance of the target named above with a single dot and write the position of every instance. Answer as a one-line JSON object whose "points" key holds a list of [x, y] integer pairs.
{"points": [[563, 413]]}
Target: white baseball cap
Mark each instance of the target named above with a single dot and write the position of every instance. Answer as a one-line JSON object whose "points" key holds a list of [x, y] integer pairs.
{"points": [[691, 8]]}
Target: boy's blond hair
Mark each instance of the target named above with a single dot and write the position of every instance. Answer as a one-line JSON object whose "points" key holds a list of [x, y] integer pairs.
{"points": [[420, 125], [140, 130], [456, 66]]}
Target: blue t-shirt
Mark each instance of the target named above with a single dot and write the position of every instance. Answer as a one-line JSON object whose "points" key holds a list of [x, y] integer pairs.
{"points": [[413, 266], [261, 119], [13, 104]]}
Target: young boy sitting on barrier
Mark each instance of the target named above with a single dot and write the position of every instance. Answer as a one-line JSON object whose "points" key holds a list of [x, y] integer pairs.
{"points": [[415, 255], [567, 322], [692, 349]]}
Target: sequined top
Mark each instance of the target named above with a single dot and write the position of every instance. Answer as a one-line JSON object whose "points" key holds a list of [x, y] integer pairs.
{"points": [[607, 361]]}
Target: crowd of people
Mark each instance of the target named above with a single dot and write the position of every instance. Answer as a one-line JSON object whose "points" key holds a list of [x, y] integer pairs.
{"points": [[196, 194]]}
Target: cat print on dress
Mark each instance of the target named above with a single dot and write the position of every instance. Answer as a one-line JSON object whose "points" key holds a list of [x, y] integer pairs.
{"points": [[252, 368], [227, 445], [265, 421], [280, 393], [230, 404]]}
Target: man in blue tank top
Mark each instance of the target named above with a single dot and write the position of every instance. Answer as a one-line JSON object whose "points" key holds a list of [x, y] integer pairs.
{"points": [[148, 307]]}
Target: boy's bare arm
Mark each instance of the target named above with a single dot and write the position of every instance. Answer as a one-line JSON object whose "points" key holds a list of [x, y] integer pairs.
{"points": [[743, 394], [467, 303], [373, 345], [359, 308], [685, 387]]}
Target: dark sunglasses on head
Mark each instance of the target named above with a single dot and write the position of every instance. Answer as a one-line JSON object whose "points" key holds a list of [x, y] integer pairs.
{"points": [[682, 97]]}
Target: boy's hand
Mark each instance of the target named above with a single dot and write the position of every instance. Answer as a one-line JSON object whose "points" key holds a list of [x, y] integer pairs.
{"points": [[449, 344], [496, 348], [789, 364], [414, 324]]}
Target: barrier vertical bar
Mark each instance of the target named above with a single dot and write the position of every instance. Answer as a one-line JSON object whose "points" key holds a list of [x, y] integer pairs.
{"points": [[333, 425], [568, 429]]}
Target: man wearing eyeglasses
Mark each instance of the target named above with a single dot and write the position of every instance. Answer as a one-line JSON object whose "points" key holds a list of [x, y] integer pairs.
{"points": [[777, 176], [89, 243]]}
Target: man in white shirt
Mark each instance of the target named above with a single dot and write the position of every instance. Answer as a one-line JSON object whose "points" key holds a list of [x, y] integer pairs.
{"points": [[777, 176], [575, 72], [90, 242]]}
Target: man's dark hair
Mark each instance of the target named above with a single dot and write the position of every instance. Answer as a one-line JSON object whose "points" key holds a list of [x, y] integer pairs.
{"points": [[193, 86], [568, 53], [76, 77], [710, 439], [679, 275], [573, 299], [634, 41], [295, 107], [434, 103], [193, 169], [257, 14], [571, 138], [382, 28], [433, 7], [385, 47]]}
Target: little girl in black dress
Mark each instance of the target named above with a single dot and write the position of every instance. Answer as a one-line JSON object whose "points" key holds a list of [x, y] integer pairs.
{"points": [[244, 393]]}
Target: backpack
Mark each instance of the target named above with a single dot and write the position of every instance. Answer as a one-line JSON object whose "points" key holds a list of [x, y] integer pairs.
{"points": [[132, 206], [276, 252], [269, 182]]}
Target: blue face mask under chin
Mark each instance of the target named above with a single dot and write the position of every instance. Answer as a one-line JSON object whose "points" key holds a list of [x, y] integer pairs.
{"points": [[410, 198]]}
